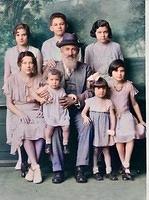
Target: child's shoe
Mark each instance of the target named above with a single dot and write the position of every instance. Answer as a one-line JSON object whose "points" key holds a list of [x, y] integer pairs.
{"points": [[18, 165], [98, 176], [37, 178], [126, 176], [111, 176], [30, 175]]}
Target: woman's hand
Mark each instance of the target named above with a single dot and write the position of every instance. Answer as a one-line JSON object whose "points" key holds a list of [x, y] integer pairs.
{"points": [[39, 114], [24, 118], [43, 92]]}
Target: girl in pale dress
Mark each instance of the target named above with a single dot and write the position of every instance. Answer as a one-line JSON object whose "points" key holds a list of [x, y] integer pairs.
{"points": [[122, 93], [27, 124], [103, 51], [54, 114], [21, 33], [99, 109]]}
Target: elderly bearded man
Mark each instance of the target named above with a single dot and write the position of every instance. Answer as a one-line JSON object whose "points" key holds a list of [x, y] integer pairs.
{"points": [[74, 80]]}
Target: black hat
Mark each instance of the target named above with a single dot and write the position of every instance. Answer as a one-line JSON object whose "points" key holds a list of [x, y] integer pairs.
{"points": [[68, 39]]}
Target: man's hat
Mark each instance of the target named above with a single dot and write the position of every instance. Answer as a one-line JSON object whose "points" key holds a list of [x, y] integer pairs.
{"points": [[69, 39]]}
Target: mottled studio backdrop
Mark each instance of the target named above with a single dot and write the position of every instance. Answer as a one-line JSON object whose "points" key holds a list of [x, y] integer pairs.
{"points": [[126, 18]]}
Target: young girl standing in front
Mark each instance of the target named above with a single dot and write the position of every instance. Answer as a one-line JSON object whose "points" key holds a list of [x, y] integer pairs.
{"points": [[101, 53], [101, 113], [123, 91]]}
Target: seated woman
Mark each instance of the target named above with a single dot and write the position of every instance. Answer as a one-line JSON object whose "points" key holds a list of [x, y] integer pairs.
{"points": [[27, 123], [21, 35]]}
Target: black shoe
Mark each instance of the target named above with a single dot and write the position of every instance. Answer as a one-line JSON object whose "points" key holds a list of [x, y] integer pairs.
{"points": [[98, 176], [24, 169], [66, 149], [58, 177], [80, 176], [127, 177], [122, 170], [48, 148], [111, 176]]}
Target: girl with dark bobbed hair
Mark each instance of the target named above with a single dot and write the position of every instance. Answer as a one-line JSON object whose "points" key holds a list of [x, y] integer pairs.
{"points": [[115, 65], [123, 95], [100, 23], [103, 51], [100, 110]]}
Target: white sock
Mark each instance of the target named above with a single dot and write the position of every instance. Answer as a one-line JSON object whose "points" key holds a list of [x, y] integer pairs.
{"points": [[95, 170], [108, 170]]}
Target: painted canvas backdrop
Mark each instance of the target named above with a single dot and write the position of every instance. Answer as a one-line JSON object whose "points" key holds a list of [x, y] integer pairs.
{"points": [[126, 18]]}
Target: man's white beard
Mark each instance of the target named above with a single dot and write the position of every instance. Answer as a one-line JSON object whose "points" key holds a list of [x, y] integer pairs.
{"points": [[70, 63]]}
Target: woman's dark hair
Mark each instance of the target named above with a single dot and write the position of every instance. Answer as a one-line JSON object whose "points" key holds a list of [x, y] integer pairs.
{"points": [[54, 71], [100, 23], [57, 15], [102, 83], [22, 26], [30, 54], [115, 65]]}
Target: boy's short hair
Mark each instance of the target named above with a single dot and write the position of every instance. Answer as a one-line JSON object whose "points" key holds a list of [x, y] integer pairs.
{"points": [[57, 15]]}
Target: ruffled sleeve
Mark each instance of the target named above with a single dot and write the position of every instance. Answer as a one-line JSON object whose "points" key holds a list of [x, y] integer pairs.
{"points": [[88, 102], [132, 88], [110, 104]]}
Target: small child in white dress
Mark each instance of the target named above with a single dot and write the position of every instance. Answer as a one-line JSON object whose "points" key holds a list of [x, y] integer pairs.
{"points": [[101, 113], [54, 114]]}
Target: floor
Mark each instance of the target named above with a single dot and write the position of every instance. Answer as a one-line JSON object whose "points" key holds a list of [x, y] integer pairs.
{"points": [[12, 186]]}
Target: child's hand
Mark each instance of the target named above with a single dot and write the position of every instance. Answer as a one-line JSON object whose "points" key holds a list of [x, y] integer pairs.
{"points": [[111, 132], [143, 123], [86, 120], [49, 100]]}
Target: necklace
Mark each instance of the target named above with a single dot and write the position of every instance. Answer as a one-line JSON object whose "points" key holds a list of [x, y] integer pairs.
{"points": [[118, 87]]}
